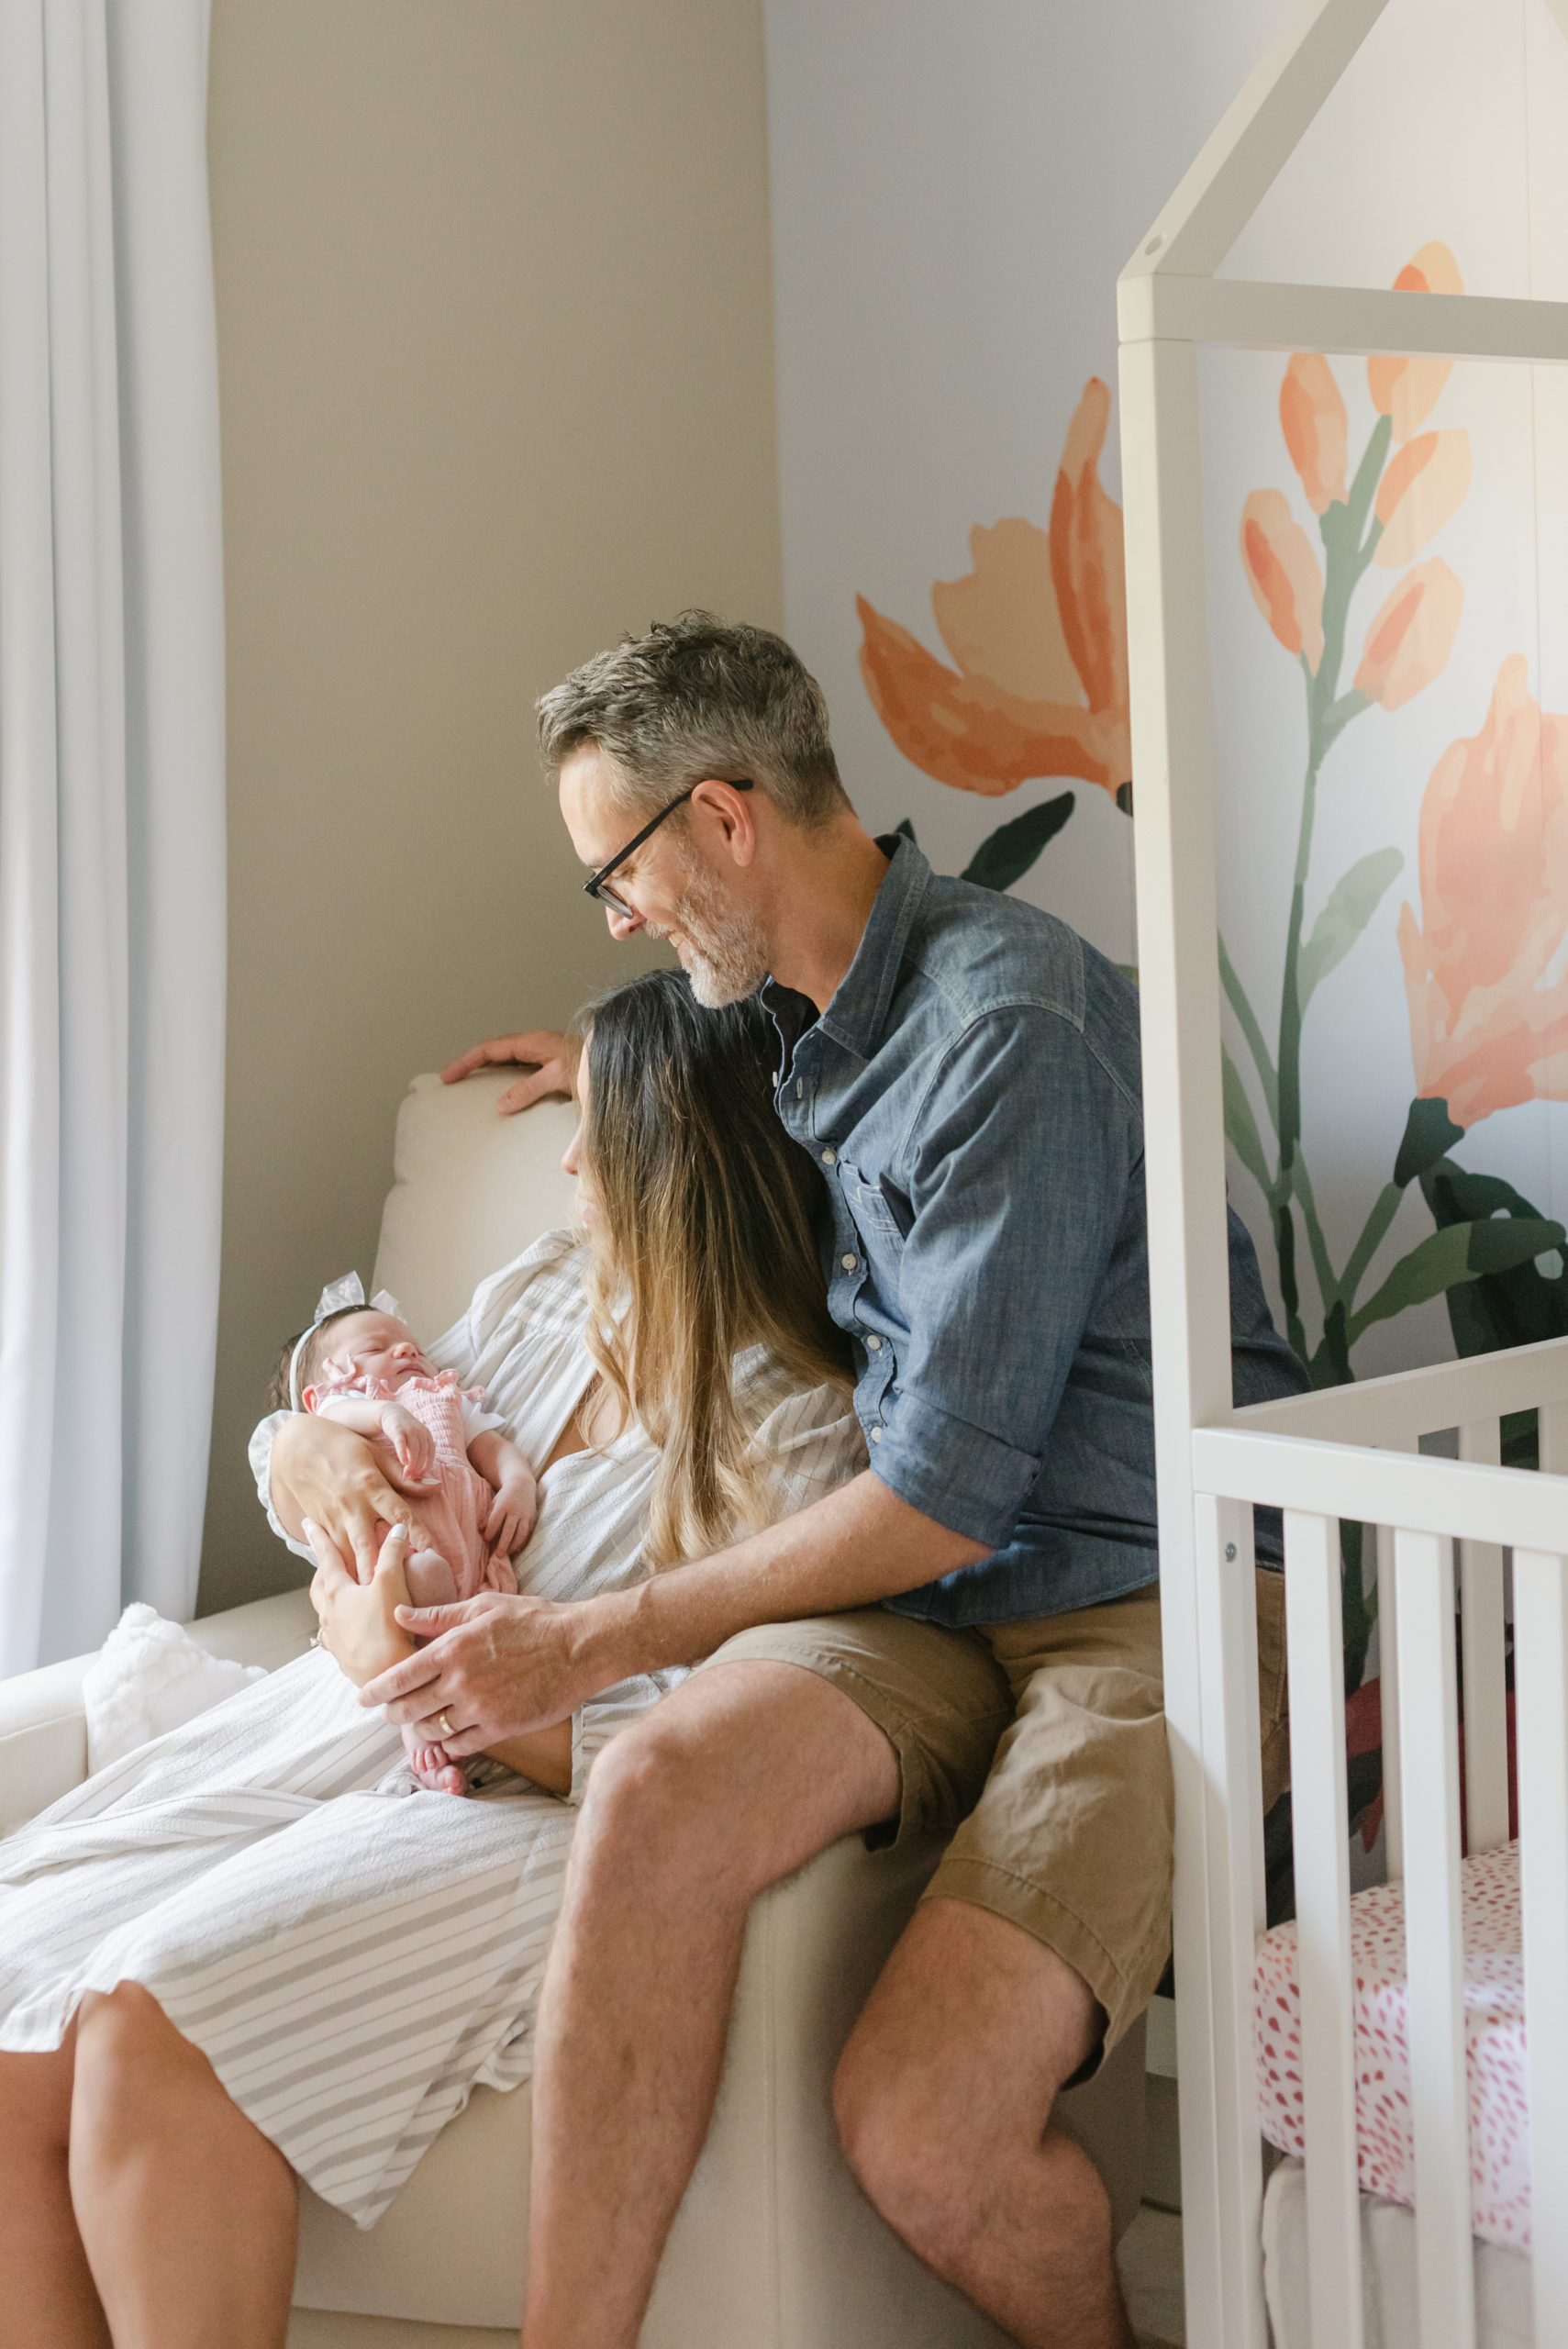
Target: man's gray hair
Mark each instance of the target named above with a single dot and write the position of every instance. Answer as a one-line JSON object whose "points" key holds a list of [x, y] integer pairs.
{"points": [[699, 696]]}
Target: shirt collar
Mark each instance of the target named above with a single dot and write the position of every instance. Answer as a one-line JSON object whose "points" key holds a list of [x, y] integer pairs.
{"points": [[856, 1015]]}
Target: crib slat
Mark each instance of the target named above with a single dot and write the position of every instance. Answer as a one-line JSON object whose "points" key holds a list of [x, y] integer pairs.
{"points": [[1552, 1421], [1481, 1621], [1388, 1685], [1434, 1950], [1541, 1679], [1315, 1631]]}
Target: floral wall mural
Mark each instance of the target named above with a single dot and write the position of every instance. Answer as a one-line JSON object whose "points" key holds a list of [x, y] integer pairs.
{"points": [[1387, 580], [1038, 630], [1406, 485]]}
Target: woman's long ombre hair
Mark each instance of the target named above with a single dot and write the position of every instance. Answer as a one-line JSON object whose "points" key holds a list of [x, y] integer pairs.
{"points": [[702, 1244]]}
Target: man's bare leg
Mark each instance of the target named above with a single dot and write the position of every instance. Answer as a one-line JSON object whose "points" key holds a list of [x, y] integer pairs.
{"points": [[189, 2215], [943, 2099], [46, 2285], [734, 1781]]}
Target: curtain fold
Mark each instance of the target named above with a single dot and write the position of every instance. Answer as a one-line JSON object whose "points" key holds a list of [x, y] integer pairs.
{"points": [[112, 859]]}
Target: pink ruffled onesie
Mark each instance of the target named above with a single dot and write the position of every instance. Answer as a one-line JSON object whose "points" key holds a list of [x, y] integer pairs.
{"points": [[454, 1511]]}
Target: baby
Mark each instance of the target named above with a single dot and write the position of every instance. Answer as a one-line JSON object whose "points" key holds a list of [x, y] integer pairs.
{"points": [[362, 1365]]}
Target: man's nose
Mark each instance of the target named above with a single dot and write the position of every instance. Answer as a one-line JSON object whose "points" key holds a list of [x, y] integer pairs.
{"points": [[623, 923]]}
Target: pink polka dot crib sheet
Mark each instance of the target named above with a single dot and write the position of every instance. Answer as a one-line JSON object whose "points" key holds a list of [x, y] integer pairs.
{"points": [[1494, 2037]]}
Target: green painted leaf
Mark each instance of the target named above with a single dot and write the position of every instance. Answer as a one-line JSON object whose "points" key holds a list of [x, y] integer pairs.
{"points": [[1240, 1126], [1007, 855], [1353, 901], [1462, 1252], [1429, 1134], [1517, 1308]]}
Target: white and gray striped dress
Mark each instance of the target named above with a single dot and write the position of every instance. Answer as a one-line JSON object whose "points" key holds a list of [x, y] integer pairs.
{"points": [[351, 1953]]}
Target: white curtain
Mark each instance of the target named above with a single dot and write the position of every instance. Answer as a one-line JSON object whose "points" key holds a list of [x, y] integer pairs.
{"points": [[112, 867]]}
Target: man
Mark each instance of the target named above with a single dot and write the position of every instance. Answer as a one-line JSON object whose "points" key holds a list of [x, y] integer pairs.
{"points": [[965, 1637]]}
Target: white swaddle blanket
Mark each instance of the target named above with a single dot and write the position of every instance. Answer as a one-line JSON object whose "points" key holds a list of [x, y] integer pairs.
{"points": [[150, 1676]]}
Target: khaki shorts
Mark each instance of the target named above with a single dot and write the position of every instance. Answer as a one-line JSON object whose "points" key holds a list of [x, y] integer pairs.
{"points": [[1040, 1749]]}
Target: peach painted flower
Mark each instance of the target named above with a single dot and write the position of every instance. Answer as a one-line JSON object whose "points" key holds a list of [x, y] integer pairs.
{"points": [[1039, 633], [1421, 490], [1485, 1033], [1283, 573], [1409, 643], [1406, 389], [1312, 418]]}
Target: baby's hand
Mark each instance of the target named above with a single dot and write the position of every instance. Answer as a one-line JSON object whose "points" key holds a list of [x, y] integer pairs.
{"points": [[512, 1515], [412, 1442]]}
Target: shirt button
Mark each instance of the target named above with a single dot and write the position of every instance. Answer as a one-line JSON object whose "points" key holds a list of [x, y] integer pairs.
{"points": [[800, 1088], [876, 1435], [848, 1263], [873, 1345], [829, 1158]]}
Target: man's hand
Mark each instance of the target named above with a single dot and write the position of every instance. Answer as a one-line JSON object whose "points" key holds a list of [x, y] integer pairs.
{"points": [[495, 1666], [334, 1476], [546, 1050]]}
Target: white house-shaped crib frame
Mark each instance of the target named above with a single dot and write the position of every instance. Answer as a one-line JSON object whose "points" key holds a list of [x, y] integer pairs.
{"points": [[1315, 1454]]}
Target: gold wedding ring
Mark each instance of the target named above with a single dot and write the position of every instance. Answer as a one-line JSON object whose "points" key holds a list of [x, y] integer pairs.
{"points": [[444, 1723]]}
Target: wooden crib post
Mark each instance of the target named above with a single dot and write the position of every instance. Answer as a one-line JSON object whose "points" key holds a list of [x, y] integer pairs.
{"points": [[1228, 1661], [1434, 1952], [1315, 1630], [1540, 1682]]}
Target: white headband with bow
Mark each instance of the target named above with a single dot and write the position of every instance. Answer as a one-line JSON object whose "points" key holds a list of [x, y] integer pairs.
{"points": [[338, 1296]]}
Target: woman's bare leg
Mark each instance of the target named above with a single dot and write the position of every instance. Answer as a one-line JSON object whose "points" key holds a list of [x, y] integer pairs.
{"points": [[189, 2215], [46, 2286]]}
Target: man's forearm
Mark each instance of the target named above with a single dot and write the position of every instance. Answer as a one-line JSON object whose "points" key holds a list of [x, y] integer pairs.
{"points": [[852, 1548]]}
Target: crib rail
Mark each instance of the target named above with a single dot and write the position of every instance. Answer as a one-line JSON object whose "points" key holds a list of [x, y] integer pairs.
{"points": [[1443, 1527]]}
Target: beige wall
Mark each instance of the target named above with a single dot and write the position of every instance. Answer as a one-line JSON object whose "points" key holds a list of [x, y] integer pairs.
{"points": [[494, 333]]}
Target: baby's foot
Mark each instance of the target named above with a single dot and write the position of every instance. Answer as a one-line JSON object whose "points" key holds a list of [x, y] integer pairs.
{"points": [[432, 1582], [432, 1767]]}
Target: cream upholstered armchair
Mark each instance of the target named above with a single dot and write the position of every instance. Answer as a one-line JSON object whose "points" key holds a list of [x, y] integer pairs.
{"points": [[774, 2247]]}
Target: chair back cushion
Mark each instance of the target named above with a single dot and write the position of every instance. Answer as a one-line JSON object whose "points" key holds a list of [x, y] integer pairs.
{"points": [[470, 1191]]}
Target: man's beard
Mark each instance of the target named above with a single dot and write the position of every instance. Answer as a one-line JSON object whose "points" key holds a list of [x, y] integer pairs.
{"points": [[727, 957]]}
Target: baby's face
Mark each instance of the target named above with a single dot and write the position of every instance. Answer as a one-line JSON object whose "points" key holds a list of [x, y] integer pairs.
{"points": [[372, 1345]]}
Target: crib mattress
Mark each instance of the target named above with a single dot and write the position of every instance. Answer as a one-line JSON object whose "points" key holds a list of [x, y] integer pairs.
{"points": [[1504, 2315], [1494, 2045]]}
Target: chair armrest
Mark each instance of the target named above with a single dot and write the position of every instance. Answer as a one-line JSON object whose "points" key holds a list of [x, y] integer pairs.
{"points": [[43, 1739], [43, 1728]]}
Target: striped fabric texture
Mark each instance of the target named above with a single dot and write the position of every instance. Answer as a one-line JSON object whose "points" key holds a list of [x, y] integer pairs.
{"points": [[352, 1954]]}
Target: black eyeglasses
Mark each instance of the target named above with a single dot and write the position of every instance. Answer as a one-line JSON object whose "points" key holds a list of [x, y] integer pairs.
{"points": [[595, 886]]}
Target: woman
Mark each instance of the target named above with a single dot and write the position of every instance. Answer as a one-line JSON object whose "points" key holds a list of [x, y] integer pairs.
{"points": [[253, 1950]]}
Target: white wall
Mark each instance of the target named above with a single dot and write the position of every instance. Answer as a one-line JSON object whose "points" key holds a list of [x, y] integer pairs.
{"points": [[496, 339]]}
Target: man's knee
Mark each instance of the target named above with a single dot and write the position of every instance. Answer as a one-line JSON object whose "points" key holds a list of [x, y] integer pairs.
{"points": [[896, 2139], [654, 1800]]}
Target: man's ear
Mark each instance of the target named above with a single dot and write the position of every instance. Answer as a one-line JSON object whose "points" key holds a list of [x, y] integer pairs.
{"points": [[734, 814]]}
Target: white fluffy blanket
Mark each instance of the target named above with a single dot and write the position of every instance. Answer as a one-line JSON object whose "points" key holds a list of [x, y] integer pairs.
{"points": [[148, 1677]]}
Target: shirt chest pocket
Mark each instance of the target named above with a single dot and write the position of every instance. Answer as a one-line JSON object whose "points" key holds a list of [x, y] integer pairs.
{"points": [[876, 1216]]}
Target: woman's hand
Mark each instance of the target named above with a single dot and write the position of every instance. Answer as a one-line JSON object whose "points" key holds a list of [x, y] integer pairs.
{"points": [[358, 1625], [545, 1049], [329, 1473]]}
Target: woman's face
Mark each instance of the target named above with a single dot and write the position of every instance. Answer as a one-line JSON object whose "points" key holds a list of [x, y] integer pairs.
{"points": [[573, 1157]]}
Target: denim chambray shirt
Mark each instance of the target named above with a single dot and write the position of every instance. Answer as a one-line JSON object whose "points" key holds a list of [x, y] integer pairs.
{"points": [[971, 1095]]}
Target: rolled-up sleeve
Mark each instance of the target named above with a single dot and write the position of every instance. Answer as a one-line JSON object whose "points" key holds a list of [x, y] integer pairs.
{"points": [[1018, 1175]]}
